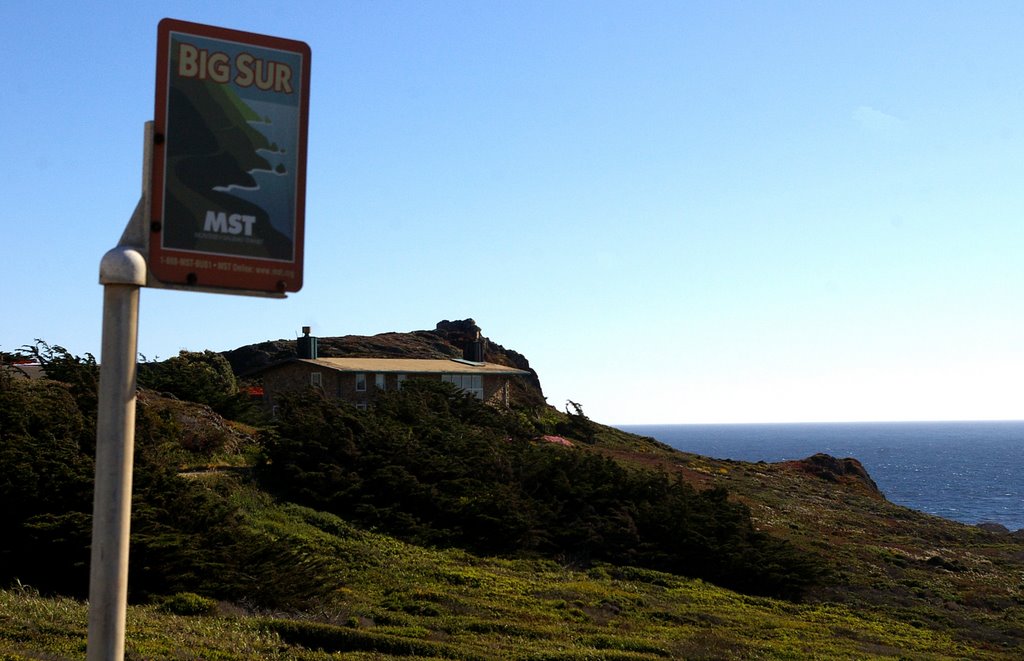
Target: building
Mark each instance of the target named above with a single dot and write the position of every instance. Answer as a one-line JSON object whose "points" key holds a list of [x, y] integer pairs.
{"points": [[359, 380], [23, 369]]}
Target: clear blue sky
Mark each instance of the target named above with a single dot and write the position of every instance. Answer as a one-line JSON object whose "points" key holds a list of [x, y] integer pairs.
{"points": [[678, 211]]}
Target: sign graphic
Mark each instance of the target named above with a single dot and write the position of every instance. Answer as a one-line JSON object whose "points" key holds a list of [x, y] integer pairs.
{"points": [[229, 163]]}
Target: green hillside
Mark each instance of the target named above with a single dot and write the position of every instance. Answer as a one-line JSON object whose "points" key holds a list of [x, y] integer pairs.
{"points": [[432, 526]]}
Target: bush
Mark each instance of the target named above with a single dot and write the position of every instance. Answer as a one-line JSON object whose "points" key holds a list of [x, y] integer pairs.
{"points": [[204, 377], [46, 474], [432, 466], [187, 535], [188, 603]]}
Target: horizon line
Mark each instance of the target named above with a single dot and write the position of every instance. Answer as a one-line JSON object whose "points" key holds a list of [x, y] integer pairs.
{"points": [[819, 422]]}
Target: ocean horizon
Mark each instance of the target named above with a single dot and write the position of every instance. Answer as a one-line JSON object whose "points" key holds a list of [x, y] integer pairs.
{"points": [[966, 471]]}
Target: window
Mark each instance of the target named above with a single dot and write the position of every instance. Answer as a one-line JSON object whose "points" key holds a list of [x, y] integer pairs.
{"points": [[470, 383], [316, 379], [360, 382], [401, 380], [378, 381]]}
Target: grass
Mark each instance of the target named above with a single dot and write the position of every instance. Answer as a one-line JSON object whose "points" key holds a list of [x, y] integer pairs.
{"points": [[394, 600], [933, 573]]}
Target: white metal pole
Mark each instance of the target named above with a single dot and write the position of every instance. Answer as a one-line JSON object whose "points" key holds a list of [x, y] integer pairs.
{"points": [[122, 273], [115, 444]]}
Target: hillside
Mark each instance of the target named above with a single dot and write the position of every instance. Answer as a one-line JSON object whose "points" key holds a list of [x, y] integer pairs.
{"points": [[362, 533]]}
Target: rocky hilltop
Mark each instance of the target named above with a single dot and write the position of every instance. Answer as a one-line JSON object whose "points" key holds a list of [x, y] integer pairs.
{"points": [[449, 339]]}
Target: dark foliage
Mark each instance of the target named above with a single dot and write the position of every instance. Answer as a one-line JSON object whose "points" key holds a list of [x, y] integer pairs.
{"points": [[204, 377], [186, 534], [577, 424], [427, 463], [45, 486], [433, 466], [81, 374]]}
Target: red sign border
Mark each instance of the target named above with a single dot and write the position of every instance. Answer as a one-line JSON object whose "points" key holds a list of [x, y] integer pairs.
{"points": [[234, 274]]}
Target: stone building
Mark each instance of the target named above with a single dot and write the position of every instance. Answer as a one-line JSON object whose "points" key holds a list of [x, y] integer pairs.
{"points": [[359, 380]]}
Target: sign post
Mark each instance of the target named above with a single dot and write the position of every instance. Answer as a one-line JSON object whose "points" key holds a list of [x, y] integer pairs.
{"points": [[122, 273], [222, 211]]}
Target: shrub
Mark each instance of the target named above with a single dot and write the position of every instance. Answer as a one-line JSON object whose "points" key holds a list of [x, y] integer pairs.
{"points": [[433, 466], [188, 603], [204, 377], [46, 473]]}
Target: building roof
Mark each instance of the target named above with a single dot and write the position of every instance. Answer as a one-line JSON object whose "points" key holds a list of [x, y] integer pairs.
{"points": [[412, 366], [31, 371]]}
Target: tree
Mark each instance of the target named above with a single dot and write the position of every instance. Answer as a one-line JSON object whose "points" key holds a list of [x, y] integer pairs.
{"points": [[82, 374], [204, 377], [46, 472]]}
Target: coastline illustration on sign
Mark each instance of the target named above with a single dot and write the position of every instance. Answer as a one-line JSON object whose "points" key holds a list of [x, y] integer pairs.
{"points": [[233, 127]]}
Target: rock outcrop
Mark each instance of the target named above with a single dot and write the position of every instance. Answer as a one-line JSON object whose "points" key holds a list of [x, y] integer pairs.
{"points": [[840, 471]]}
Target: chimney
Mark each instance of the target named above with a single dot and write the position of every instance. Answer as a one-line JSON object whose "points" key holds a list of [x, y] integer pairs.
{"points": [[307, 344], [473, 347]]}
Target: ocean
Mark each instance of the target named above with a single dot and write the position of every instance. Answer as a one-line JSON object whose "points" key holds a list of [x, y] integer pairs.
{"points": [[965, 471]]}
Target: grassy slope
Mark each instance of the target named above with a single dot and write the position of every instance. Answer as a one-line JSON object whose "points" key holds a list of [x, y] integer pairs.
{"points": [[905, 585], [924, 570], [392, 599]]}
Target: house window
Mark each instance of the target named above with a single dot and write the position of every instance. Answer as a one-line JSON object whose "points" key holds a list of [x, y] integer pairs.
{"points": [[378, 381], [360, 382], [316, 379], [470, 383], [401, 380]]}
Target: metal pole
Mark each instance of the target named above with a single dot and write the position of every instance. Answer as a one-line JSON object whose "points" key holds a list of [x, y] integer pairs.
{"points": [[122, 273], [115, 444]]}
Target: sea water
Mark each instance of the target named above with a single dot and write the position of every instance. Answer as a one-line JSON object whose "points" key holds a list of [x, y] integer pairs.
{"points": [[964, 471]]}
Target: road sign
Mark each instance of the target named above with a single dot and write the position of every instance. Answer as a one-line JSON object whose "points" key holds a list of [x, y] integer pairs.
{"points": [[229, 160]]}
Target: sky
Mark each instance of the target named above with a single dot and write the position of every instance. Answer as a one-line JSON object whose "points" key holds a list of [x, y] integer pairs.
{"points": [[679, 212]]}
